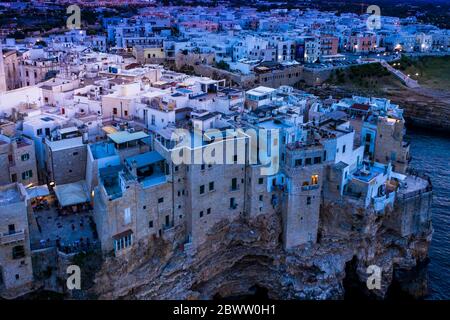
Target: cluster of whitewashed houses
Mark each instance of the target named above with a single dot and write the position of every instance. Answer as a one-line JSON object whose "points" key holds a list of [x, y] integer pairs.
{"points": [[242, 40], [108, 142], [145, 150]]}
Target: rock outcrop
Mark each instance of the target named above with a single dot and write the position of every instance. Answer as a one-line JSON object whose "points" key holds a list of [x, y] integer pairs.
{"points": [[246, 253]]}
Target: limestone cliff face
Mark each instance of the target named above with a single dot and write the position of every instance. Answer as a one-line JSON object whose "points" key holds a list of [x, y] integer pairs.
{"points": [[247, 252], [425, 108]]}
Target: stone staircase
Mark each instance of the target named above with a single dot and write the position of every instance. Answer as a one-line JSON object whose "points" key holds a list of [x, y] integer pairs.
{"points": [[410, 83]]}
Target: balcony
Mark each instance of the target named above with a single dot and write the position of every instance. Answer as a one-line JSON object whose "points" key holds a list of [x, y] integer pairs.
{"points": [[8, 238], [381, 202]]}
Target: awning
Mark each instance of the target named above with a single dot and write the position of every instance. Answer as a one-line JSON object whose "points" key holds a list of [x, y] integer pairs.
{"points": [[125, 136], [38, 191], [72, 193]]}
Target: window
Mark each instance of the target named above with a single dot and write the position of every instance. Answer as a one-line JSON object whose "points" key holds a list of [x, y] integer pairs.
{"points": [[39, 132], [260, 180], [150, 224], [160, 200], [235, 158], [27, 175], [308, 200], [201, 214], [314, 179], [308, 161], [211, 186], [14, 177], [317, 160], [176, 168], [234, 184], [11, 229], [75, 153], [167, 221], [127, 216], [208, 211], [393, 156], [261, 197], [343, 148], [233, 204], [298, 162], [25, 157], [115, 111], [202, 167], [202, 189], [123, 242], [18, 252]]}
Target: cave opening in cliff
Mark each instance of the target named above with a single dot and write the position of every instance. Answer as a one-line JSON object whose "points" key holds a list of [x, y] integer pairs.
{"points": [[354, 289], [408, 284]]}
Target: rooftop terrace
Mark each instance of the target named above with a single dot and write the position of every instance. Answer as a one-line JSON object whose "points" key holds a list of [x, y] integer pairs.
{"points": [[102, 150], [9, 194]]}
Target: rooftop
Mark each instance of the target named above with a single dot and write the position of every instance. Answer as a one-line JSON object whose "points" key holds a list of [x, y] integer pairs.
{"points": [[10, 194], [260, 91], [144, 159], [102, 150], [63, 144], [126, 136]]}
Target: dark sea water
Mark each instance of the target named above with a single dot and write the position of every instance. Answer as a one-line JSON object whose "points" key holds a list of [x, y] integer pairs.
{"points": [[431, 154]]}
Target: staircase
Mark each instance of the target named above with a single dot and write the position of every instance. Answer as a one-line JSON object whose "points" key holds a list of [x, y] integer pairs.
{"points": [[411, 83]]}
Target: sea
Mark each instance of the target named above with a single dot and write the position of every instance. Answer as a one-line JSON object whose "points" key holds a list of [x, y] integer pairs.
{"points": [[431, 155]]}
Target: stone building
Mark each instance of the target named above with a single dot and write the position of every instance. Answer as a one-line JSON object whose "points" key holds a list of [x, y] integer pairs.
{"points": [[301, 201], [12, 72], [390, 145], [133, 202], [16, 274], [17, 160], [65, 160]]}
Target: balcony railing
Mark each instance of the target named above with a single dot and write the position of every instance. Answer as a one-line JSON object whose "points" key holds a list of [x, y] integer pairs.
{"points": [[17, 236]]}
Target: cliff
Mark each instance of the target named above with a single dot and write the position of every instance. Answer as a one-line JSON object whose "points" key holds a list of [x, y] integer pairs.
{"points": [[425, 108], [246, 254]]}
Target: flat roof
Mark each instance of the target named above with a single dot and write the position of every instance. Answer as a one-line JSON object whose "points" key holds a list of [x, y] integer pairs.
{"points": [[9, 194], [109, 129], [125, 136], [261, 90], [144, 159], [67, 130], [102, 150], [65, 144]]}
